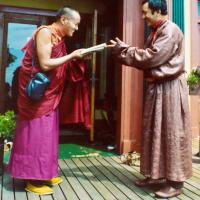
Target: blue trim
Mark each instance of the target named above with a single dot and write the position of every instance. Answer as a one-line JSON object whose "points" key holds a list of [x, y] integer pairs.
{"points": [[178, 13]]}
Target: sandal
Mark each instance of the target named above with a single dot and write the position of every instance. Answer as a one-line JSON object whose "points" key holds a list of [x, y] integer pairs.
{"points": [[168, 192], [38, 189], [54, 181], [148, 182]]}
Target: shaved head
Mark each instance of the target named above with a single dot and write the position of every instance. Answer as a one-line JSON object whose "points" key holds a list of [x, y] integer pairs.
{"points": [[67, 12]]}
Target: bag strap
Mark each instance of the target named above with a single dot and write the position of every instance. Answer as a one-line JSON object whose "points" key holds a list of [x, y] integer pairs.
{"points": [[34, 58]]}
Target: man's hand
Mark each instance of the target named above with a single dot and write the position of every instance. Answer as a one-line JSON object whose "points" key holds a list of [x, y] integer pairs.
{"points": [[117, 45]]}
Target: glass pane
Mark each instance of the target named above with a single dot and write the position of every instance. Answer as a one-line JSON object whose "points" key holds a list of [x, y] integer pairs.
{"points": [[18, 35]]}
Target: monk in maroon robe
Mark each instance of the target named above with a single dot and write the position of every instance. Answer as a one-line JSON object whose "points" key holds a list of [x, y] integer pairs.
{"points": [[34, 155]]}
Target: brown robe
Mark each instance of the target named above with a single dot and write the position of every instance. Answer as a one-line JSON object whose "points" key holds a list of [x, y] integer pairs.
{"points": [[166, 138]]}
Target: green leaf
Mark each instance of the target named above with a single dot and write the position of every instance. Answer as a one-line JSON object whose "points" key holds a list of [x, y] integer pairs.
{"points": [[7, 124], [193, 78]]}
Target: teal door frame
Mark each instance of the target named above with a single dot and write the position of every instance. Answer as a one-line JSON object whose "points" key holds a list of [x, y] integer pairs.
{"points": [[178, 13]]}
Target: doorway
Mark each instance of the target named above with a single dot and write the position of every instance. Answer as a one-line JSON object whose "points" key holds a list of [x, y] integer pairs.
{"points": [[105, 88], [13, 41]]}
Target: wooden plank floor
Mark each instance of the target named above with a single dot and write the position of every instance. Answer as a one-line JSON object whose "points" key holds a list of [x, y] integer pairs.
{"points": [[98, 178]]}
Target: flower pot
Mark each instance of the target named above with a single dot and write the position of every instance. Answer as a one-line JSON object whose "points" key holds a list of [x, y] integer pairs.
{"points": [[194, 90], [1, 155]]}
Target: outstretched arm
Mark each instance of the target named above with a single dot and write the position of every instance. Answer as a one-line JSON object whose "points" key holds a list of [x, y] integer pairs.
{"points": [[160, 52], [44, 49]]}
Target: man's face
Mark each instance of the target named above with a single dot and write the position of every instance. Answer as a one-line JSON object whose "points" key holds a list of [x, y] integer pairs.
{"points": [[70, 25], [150, 17]]}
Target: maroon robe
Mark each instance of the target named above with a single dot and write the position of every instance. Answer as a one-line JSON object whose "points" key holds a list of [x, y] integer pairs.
{"points": [[75, 106], [49, 102]]}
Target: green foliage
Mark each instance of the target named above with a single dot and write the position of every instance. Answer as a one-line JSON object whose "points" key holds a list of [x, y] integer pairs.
{"points": [[193, 78], [7, 124]]}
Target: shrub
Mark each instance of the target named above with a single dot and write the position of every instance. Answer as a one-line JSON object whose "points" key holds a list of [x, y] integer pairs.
{"points": [[193, 78], [7, 124]]}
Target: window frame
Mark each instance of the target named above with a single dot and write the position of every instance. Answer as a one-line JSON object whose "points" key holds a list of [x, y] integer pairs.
{"points": [[8, 15]]}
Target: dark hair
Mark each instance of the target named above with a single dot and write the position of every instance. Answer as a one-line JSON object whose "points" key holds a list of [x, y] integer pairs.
{"points": [[156, 5], [66, 11]]}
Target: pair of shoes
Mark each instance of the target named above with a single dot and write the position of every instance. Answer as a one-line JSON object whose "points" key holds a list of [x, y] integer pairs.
{"points": [[168, 192], [38, 189], [54, 181], [148, 182]]}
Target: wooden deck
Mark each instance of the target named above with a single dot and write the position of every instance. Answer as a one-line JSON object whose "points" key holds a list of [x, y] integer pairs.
{"points": [[98, 178]]}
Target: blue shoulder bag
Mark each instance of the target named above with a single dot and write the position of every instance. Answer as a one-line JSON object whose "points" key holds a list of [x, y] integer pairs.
{"points": [[37, 85]]}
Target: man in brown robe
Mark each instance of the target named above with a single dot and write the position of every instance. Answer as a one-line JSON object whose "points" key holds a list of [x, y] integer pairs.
{"points": [[166, 138]]}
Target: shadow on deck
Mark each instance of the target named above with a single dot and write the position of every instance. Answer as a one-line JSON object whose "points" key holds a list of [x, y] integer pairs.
{"points": [[98, 178]]}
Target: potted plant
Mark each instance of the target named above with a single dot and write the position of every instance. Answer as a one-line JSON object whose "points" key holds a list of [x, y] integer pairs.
{"points": [[7, 127], [193, 81]]}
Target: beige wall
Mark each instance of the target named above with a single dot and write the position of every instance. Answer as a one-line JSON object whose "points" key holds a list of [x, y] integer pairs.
{"points": [[193, 44], [169, 3], [192, 54]]}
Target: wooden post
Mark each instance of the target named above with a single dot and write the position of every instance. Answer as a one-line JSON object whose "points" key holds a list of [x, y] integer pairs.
{"points": [[94, 42], [3, 58], [130, 81]]}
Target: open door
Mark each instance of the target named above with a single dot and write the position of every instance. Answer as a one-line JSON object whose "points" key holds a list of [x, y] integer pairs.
{"points": [[101, 78]]}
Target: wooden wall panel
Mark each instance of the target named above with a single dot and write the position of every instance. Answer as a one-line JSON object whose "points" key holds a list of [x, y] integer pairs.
{"points": [[131, 96]]}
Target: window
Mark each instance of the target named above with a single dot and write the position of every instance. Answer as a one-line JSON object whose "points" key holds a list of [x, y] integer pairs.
{"points": [[15, 28], [18, 34]]}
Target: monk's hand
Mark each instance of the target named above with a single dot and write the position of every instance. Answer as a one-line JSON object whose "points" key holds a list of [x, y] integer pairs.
{"points": [[78, 54], [117, 45]]}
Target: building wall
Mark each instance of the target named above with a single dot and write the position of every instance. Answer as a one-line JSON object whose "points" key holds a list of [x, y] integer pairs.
{"points": [[129, 132], [87, 7], [185, 15], [195, 61]]}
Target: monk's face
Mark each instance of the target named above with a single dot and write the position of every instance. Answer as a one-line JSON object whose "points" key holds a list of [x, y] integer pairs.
{"points": [[151, 17], [70, 25]]}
